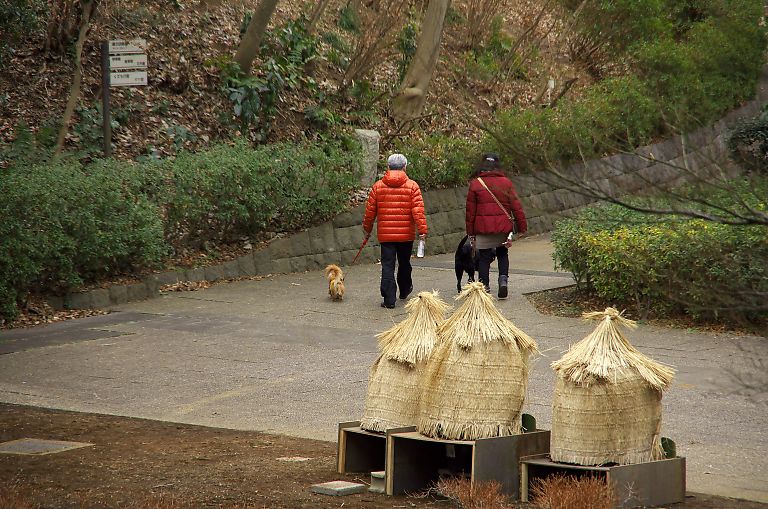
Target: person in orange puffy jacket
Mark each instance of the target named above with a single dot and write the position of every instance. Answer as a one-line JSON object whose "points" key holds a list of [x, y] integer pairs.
{"points": [[396, 202]]}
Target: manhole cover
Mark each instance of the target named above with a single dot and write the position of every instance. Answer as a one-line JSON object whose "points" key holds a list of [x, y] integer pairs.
{"points": [[36, 446]]}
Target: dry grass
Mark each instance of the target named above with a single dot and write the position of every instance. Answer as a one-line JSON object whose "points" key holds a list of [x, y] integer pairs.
{"points": [[606, 351], [12, 496], [483, 495], [566, 492], [412, 340]]}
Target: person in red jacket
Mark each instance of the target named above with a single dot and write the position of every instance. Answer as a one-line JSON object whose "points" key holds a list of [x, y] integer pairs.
{"points": [[396, 202], [493, 213]]}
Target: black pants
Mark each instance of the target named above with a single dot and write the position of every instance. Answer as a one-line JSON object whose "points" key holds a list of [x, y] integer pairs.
{"points": [[485, 257], [391, 251]]}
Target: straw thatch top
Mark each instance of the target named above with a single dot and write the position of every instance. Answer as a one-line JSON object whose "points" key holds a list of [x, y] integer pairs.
{"points": [[478, 321], [606, 352], [412, 340]]}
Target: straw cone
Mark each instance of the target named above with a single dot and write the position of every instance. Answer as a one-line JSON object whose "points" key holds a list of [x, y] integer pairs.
{"points": [[412, 340], [607, 402], [475, 381], [394, 383]]}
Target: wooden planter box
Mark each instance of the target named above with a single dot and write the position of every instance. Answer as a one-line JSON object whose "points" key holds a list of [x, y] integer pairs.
{"points": [[643, 484]]}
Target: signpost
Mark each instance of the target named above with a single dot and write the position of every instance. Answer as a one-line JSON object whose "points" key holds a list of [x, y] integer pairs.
{"points": [[123, 64]]}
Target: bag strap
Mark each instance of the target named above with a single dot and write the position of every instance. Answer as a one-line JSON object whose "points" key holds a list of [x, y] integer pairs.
{"points": [[496, 200]]}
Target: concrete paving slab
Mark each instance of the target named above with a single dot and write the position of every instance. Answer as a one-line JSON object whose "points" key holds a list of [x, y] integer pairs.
{"points": [[277, 355]]}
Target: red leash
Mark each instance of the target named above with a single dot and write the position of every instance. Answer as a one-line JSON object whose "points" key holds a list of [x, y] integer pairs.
{"points": [[365, 241]]}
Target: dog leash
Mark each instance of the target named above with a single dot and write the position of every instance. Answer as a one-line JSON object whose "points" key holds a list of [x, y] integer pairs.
{"points": [[365, 241]]}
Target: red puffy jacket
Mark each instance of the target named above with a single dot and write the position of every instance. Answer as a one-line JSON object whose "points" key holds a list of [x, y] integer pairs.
{"points": [[484, 216], [397, 203]]}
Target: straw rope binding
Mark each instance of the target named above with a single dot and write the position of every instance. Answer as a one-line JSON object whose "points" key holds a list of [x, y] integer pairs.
{"points": [[607, 401], [476, 379], [394, 390]]}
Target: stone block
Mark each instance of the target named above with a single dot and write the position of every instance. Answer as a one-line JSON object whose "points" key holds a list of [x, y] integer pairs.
{"points": [[369, 140], [282, 266], [435, 245], [338, 488], [230, 269], [349, 238], [245, 265], [55, 301], [281, 248], [348, 256], [315, 262], [153, 287], [457, 220], [439, 224], [100, 298], [168, 278], [430, 204], [118, 294], [349, 218], [299, 263], [321, 239], [137, 291], [262, 261], [194, 275], [300, 244], [78, 300], [214, 273]]}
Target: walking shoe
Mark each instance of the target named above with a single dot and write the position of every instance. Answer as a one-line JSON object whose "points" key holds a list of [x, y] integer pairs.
{"points": [[405, 295], [502, 287], [388, 306]]}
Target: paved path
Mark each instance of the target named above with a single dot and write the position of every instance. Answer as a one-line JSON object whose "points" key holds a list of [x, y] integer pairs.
{"points": [[277, 355]]}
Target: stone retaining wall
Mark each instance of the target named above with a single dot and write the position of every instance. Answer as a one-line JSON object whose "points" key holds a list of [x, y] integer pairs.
{"points": [[337, 241]]}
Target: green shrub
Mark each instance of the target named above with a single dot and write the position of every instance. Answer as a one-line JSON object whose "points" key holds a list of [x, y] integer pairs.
{"points": [[706, 269], [615, 114], [64, 226], [748, 143], [228, 192], [437, 160], [690, 71]]}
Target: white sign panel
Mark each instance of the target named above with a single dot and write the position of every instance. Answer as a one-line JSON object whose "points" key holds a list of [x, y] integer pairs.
{"points": [[123, 46], [128, 61], [127, 78]]}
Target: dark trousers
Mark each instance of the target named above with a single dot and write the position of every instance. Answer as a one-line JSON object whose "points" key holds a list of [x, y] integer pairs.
{"points": [[485, 257], [391, 251]]}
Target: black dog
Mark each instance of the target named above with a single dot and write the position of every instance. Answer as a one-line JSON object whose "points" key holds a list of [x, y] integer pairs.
{"points": [[465, 260]]}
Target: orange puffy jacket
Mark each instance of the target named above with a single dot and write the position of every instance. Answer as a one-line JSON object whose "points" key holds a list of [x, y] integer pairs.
{"points": [[396, 201]]}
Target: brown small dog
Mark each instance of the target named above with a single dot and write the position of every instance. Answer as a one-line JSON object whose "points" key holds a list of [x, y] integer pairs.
{"points": [[335, 282]]}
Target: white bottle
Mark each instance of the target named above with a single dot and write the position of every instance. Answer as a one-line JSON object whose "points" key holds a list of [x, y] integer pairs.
{"points": [[420, 249]]}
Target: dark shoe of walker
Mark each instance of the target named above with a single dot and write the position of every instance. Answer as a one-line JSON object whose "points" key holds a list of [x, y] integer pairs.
{"points": [[503, 287], [388, 306], [404, 295]]}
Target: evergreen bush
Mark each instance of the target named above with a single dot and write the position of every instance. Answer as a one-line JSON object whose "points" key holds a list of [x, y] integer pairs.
{"points": [[663, 263]]}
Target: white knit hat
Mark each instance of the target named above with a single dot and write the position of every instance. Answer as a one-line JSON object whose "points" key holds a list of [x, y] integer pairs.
{"points": [[397, 161]]}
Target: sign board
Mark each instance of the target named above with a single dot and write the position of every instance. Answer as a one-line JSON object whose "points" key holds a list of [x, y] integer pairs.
{"points": [[127, 78], [128, 61], [125, 46]]}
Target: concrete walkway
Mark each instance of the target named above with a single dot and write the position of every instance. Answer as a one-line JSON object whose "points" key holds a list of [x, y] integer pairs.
{"points": [[277, 355]]}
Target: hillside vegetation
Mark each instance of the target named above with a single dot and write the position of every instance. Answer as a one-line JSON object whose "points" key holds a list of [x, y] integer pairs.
{"points": [[209, 158]]}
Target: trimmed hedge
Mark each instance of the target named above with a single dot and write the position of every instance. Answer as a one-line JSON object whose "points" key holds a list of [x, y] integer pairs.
{"points": [[665, 264], [65, 225]]}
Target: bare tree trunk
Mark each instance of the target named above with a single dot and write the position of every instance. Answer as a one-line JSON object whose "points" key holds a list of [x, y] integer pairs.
{"points": [[89, 8], [317, 13], [412, 96], [249, 46]]}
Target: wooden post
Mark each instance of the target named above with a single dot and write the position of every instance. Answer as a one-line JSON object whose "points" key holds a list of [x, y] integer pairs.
{"points": [[105, 112]]}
